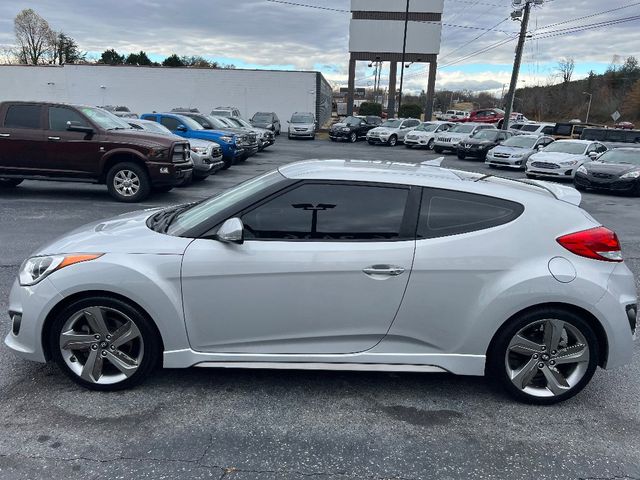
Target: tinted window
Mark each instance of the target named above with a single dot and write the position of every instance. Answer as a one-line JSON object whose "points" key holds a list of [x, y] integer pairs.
{"points": [[170, 123], [330, 212], [59, 116], [23, 116], [548, 130], [445, 213]]}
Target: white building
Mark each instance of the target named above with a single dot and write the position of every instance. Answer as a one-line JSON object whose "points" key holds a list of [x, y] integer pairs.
{"points": [[148, 89]]}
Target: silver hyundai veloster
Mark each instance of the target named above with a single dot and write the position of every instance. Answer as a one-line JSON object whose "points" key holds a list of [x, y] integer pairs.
{"points": [[339, 265]]}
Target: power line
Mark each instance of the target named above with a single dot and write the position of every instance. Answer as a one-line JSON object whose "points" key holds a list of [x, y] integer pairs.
{"points": [[590, 16]]}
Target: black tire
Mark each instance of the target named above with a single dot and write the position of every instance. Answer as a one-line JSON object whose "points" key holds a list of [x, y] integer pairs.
{"points": [[406, 145], [150, 341], [497, 354], [353, 138], [370, 142], [313, 138], [10, 182], [163, 189], [393, 141], [531, 176], [200, 179], [144, 183], [289, 136], [491, 165], [461, 156], [430, 144], [437, 150], [227, 163], [579, 187], [636, 190], [333, 139]]}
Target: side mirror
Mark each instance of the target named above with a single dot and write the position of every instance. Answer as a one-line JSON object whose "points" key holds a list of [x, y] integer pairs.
{"points": [[181, 128], [231, 231], [593, 155], [539, 147], [73, 126], [288, 121]]}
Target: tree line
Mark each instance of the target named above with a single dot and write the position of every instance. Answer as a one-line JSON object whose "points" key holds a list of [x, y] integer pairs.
{"points": [[39, 44]]}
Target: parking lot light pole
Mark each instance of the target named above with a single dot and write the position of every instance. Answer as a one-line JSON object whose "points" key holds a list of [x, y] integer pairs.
{"points": [[589, 107], [404, 53]]}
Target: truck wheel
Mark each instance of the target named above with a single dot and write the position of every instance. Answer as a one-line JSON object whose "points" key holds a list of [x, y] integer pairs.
{"points": [[10, 182], [128, 182]]}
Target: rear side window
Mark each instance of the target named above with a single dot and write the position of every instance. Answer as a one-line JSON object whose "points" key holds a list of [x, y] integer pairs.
{"points": [[59, 116], [330, 212], [446, 212], [23, 116]]}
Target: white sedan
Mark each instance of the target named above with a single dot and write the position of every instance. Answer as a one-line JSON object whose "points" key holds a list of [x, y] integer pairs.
{"points": [[562, 159]]}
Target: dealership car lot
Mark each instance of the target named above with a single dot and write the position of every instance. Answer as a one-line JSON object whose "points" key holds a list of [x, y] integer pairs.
{"points": [[269, 424]]}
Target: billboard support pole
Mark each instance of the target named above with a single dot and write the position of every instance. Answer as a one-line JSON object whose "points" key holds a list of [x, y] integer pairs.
{"points": [[352, 85], [393, 73]]}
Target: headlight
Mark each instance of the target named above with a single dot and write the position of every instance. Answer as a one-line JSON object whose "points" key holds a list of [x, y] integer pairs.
{"points": [[35, 269], [517, 155], [270, 125], [158, 153], [582, 169], [199, 150], [226, 139], [634, 174], [569, 163]]}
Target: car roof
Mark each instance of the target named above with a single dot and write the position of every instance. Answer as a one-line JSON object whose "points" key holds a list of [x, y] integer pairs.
{"points": [[569, 140]]}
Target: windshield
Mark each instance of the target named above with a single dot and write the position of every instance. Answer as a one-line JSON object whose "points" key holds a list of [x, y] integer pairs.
{"points": [[155, 127], [236, 122], [220, 122], [485, 135], [302, 119], [462, 129], [263, 117], [566, 147], [530, 128], [392, 124], [199, 213], [190, 122], [520, 142], [631, 157], [427, 127], [106, 120]]}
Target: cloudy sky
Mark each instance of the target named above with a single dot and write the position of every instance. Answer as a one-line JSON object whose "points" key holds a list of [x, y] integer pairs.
{"points": [[264, 34]]}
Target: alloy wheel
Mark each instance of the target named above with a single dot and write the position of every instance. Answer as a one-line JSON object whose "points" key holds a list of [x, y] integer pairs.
{"points": [[353, 137], [126, 183], [547, 358], [101, 345]]}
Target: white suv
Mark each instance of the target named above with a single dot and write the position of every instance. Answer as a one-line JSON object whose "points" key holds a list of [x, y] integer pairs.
{"points": [[392, 131], [449, 140], [226, 112]]}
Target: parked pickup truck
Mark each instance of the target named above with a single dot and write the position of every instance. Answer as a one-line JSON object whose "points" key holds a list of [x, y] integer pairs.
{"points": [[53, 141], [186, 127]]}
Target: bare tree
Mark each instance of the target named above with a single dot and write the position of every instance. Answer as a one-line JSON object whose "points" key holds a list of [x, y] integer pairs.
{"points": [[33, 37], [566, 66]]}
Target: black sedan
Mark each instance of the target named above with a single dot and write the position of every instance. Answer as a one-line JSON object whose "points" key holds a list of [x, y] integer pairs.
{"points": [[616, 170], [478, 144], [353, 128]]}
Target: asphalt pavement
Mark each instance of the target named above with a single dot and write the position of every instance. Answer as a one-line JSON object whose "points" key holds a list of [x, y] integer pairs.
{"points": [[264, 425]]}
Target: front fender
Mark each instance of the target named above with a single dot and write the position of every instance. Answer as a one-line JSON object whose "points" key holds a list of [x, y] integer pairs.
{"points": [[121, 151]]}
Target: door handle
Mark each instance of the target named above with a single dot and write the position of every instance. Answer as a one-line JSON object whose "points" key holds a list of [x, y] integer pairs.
{"points": [[54, 138], [5, 135], [384, 270]]}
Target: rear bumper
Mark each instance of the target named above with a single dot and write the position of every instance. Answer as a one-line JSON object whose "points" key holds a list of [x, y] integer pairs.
{"points": [[617, 184]]}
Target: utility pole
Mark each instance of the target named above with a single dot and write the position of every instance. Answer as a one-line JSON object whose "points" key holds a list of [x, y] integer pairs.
{"points": [[518, 61], [589, 107], [404, 53]]}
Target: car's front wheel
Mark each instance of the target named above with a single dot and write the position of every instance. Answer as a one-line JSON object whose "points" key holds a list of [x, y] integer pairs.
{"points": [[353, 138], [393, 141], [10, 182], [104, 343], [128, 182], [430, 144], [544, 356]]}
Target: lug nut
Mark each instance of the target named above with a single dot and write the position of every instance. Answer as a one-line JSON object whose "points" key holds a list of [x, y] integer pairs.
{"points": [[112, 347], [104, 353], [535, 356], [553, 352], [543, 348], [552, 362], [97, 337], [541, 365], [108, 337], [94, 346]]}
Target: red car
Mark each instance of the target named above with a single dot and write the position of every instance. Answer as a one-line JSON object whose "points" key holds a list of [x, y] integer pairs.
{"points": [[486, 115], [625, 125]]}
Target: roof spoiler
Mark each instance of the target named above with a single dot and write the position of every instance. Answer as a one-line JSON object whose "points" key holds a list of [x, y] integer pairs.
{"points": [[559, 192]]}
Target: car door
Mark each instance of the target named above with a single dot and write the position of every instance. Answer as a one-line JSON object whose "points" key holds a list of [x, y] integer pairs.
{"points": [[406, 127], [22, 139], [323, 269], [173, 124], [460, 256], [69, 153]]}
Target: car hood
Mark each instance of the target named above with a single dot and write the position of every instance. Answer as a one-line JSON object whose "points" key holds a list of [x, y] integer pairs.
{"points": [[338, 125], [556, 157], [197, 142], [384, 130], [610, 168], [457, 136], [473, 141], [126, 233], [262, 124], [512, 150], [142, 137], [421, 133]]}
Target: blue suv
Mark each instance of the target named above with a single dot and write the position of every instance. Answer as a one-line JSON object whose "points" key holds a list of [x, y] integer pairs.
{"points": [[188, 128]]}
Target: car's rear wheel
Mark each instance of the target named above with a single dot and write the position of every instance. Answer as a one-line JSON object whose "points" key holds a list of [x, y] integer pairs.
{"points": [[353, 138], [103, 343], [544, 356], [128, 182], [10, 182]]}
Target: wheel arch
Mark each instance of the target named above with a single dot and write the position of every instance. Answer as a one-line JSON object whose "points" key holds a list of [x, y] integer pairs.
{"points": [[592, 320], [118, 156], [65, 302]]}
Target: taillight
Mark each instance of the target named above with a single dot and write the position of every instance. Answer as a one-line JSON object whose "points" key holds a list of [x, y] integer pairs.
{"points": [[598, 243]]}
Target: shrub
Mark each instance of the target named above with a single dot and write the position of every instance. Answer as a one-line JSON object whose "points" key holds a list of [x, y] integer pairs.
{"points": [[410, 111], [370, 108]]}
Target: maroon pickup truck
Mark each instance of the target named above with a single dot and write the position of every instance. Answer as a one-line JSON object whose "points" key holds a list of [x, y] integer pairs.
{"points": [[53, 141]]}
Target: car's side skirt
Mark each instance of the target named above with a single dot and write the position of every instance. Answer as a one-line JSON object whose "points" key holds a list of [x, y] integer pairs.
{"points": [[360, 367]]}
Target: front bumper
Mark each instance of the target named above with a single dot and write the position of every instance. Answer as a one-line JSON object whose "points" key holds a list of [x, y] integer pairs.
{"points": [[565, 172], [614, 184], [381, 140], [169, 173], [338, 135], [304, 134], [453, 145], [33, 304], [511, 162], [417, 142], [472, 151]]}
